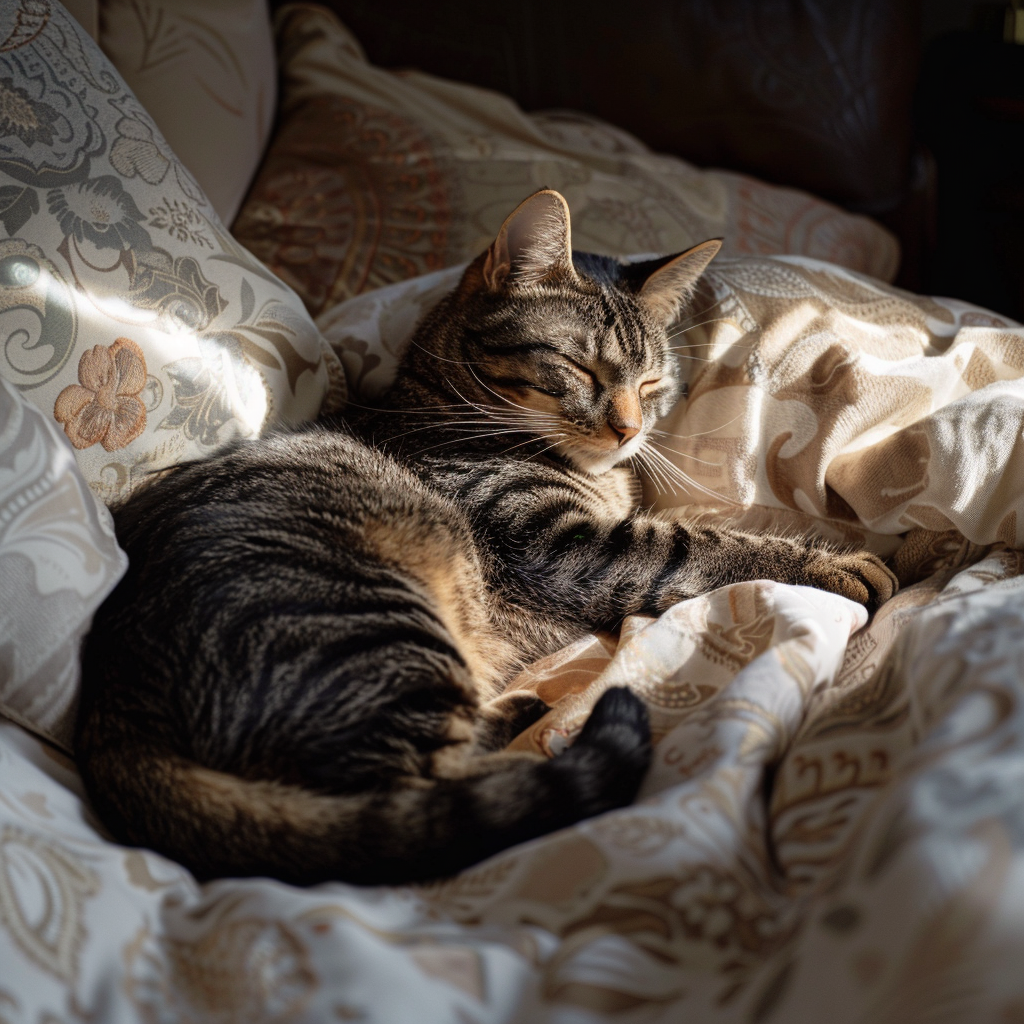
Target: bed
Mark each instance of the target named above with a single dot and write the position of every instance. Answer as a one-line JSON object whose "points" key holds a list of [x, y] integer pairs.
{"points": [[833, 825]]}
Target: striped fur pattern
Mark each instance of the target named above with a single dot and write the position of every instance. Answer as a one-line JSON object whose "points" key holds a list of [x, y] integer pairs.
{"points": [[300, 673]]}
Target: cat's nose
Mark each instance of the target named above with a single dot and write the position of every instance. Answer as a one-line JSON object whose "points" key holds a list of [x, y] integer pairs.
{"points": [[625, 416], [625, 431]]}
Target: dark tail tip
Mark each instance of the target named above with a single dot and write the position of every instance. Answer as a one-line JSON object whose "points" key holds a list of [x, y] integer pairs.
{"points": [[615, 744]]}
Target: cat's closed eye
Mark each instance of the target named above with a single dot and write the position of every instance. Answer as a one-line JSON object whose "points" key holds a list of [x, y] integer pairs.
{"points": [[581, 371]]}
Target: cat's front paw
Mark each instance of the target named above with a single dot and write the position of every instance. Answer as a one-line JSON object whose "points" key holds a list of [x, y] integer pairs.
{"points": [[858, 575]]}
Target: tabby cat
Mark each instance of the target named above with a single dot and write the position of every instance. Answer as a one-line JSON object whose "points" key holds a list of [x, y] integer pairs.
{"points": [[297, 675]]}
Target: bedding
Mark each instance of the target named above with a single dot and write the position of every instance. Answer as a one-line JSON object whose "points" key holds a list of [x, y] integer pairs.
{"points": [[374, 176], [58, 561], [205, 72], [832, 825]]}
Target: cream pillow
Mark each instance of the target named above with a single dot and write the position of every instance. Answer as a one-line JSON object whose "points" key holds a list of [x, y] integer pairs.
{"points": [[205, 71], [127, 313], [375, 176]]}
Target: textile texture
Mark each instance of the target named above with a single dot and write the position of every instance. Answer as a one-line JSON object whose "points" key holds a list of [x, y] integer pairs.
{"points": [[375, 176], [127, 313], [831, 829], [58, 561], [206, 74]]}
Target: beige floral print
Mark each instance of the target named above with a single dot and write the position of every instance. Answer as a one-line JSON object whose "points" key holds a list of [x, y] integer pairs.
{"points": [[104, 406]]}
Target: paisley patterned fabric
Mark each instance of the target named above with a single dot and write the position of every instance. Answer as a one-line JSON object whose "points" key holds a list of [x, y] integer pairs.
{"points": [[373, 177], [127, 313], [58, 560], [830, 831]]}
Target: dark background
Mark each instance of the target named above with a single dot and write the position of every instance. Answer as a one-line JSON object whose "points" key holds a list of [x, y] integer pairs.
{"points": [[911, 111]]}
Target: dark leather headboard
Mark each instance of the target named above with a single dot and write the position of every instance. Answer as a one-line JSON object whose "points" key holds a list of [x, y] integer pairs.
{"points": [[812, 93]]}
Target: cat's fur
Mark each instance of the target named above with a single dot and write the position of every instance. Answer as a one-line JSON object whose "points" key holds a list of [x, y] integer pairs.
{"points": [[293, 677]]}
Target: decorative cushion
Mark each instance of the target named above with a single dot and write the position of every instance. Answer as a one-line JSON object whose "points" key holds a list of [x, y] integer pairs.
{"points": [[206, 74], [127, 312], [374, 176], [58, 560]]}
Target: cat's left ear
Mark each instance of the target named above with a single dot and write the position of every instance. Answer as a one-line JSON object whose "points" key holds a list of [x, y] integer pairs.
{"points": [[534, 243], [669, 282]]}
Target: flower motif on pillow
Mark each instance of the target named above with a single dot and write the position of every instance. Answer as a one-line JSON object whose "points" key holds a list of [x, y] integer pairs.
{"points": [[19, 115], [101, 211], [104, 407], [105, 235], [139, 149]]}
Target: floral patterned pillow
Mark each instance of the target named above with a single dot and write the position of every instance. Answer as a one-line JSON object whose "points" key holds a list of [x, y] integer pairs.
{"points": [[128, 314], [207, 75]]}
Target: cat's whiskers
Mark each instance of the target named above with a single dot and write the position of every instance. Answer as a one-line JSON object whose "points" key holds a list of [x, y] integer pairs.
{"points": [[681, 477], [700, 359], [462, 416], [692, 327], [542, 437], [640, 457], [701, 312], [480, 436], [701, 433], [676, 451], [555, 444], [420, 410]]}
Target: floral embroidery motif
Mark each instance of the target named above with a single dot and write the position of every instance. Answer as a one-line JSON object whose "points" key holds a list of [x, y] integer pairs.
{"points": [[180, 221], [20, 115], [139, 150], [177, 288], [212, 392], [104, 407], [101, 211]]}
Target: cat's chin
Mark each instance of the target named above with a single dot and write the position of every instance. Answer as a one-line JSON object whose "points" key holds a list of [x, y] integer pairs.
{"points": [[598, 461]]}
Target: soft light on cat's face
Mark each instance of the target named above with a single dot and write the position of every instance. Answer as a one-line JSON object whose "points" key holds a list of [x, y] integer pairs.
{"points": [[587, 375], [573, 347]]}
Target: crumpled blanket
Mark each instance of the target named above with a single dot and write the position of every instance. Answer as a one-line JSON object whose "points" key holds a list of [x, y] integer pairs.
{"points": [[833, 827]]}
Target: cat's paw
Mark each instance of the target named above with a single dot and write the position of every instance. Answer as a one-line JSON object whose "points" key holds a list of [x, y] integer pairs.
{"points": [[858, 575]]}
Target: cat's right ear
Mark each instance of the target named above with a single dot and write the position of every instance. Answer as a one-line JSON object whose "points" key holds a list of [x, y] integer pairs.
{"points": [[668, 283], [533, 245]]}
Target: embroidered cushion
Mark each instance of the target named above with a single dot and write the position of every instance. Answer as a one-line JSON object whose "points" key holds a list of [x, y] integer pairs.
{"points": [[58, 560], [207, 76], [128, 314]]}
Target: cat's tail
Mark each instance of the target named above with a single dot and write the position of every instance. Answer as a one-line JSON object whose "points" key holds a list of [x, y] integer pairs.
{"points": [[217, 824]]}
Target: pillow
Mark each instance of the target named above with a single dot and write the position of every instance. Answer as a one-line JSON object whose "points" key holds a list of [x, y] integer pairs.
{"points": [[373, 177], [206, 74], [127, 313], [58, 560]]}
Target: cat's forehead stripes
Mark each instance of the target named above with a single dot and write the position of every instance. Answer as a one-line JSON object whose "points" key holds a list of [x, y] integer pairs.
{"points": [[626, 335]]}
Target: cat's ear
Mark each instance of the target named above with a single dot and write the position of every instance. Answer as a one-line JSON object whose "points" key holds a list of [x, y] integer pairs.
{"points": [[670, 282], [534, 243]]}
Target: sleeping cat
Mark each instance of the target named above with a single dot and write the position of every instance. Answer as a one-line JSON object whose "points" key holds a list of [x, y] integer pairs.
{"points": [[296, 675]]}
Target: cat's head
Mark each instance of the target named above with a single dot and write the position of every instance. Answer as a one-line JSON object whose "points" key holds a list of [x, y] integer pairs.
{"points": [[572, 347]]}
